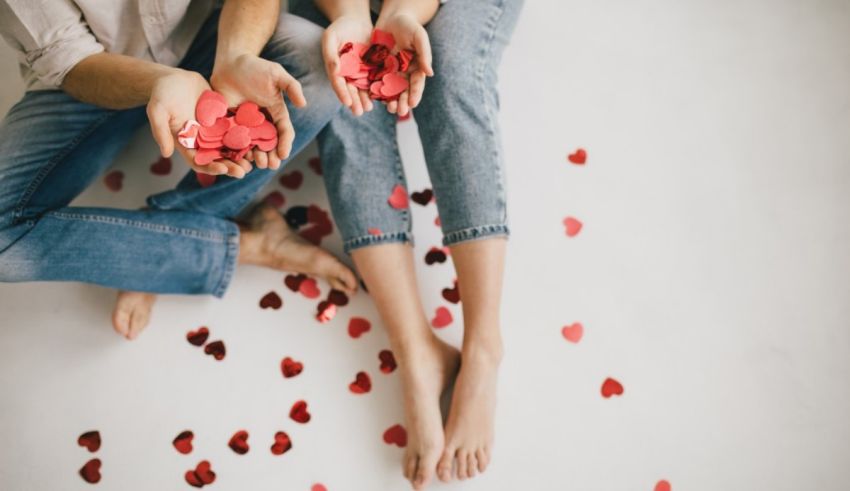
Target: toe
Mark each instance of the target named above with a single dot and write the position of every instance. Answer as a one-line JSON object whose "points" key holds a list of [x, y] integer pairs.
{"points": [[340, 276], [471, 465], [138, 322], [483, 460], [425, 470], [409, 467], [444, 466], [461, 465], [121, 318]]}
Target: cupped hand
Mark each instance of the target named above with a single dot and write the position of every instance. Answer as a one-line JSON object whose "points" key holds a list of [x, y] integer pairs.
{"points": [[346, 28], [409, 34]]}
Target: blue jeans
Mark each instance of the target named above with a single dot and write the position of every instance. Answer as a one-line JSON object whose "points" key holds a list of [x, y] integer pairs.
{"points": [[458, 127], [53, 146]]}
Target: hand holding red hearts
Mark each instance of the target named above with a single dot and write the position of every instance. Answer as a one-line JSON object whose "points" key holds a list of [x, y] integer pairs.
{"points": [[349, 28], [410, 37]]}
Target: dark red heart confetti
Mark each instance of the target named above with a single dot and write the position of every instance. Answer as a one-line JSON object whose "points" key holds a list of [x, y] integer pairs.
{"points": [[299, 412], [293, 281], [362, 383], [183, 442], [282, 443], [316, 164], [199, 337], [239, 442], [338, 298], [452, 294], [114, 181], [292, 180], [275, 199], [90, 440], [216, 349], [161, 167], [325, 311], [579, 157], [321, 225], [388, 364], [201, 475], [375, 67], [398, 197], [396, 435], [435, 255], [90, 472], [290, 367], [442, 318], [358, 326], [271, 300], [611, 387], [422, 197]]}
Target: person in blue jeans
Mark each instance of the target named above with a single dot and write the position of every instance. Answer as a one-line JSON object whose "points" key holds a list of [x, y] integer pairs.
{"points": [[94, 75], [458, 46]]}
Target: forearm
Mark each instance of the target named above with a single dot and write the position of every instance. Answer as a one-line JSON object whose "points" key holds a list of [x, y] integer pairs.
{"points": [[422, 10], [114, 81], [245, 26], [334, 9]]}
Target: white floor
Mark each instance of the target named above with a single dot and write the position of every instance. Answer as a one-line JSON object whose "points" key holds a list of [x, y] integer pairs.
{"points": [[712, 277]]}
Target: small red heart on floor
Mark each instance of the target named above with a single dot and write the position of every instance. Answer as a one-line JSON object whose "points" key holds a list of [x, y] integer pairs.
{"points": [[325, 311], [435, 255], [398, 198], [199, 337], [579, 157], [388, 364], [572, 226], [90, 440], [299, 412], [452, 294], [338, 298], [114, 181], [161, 167], [201, 476], [183, 442], [90, 472], [216, 349], [438, 222], [318, 487], [309, 288], [292, 180], [282, 443], [362, 383], [442, 318], [205, 180], [422, 197], [573, 332], [290, 367], [293, 282], [275, 199], [358, 326], [271, 300], [316, 165], [611, 387], [239, 442], [663, 486], [396, 435]]}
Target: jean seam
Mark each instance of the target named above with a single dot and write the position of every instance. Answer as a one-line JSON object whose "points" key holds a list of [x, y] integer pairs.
{"points": [[166, 229], [370, 240], [475, 233], [230, 255]]}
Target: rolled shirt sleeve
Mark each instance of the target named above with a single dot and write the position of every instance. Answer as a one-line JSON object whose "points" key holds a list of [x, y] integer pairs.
{"points": [[49, 36]]}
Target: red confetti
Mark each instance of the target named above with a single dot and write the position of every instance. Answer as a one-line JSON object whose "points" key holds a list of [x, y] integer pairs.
{"points": [[316, 164], [239, 442], [388, 364], [275, 199], [338, 298], [452, 294], [573, 333], [199, 337], [374, 231], [299, 412], [293, 282], [205, 180], [90, 472], [663, 485], [396, 435], [422, 197], [572, 226], [90, 440], [290, 368], [216, 350], [183, 442], [357, 326], [375, 67], [436, 255], [362, 383], [271, 300], [611, 387], [161, 167], [292, 180], [442, 318], [579, 157], [318, 487], [326, 311], [114, 181], [282, 443], [309, 288], [398, 198], [201, 476]]}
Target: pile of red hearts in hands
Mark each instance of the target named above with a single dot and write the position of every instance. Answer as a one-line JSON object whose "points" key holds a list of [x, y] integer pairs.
{"points": [[226, 133], [375, 67]]}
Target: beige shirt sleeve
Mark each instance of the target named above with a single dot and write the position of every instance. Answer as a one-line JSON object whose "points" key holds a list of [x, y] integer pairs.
{"points": [[49, 36]]}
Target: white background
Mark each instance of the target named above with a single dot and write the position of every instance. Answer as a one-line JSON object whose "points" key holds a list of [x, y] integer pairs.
{"points": [[712, 277]]}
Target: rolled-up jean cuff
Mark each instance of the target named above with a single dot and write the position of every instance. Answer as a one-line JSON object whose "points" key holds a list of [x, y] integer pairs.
{"points": [[377, 239], [476, 233], [231, 254]]}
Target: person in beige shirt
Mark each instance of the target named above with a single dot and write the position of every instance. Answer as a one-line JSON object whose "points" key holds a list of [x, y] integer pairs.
{"points": [[95, 72]]}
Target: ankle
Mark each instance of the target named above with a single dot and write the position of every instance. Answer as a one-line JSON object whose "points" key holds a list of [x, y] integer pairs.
{"points": [[488, 351]]}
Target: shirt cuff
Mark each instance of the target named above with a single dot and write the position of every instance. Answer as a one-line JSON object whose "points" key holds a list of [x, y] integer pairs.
{"points": [[52, 63]]}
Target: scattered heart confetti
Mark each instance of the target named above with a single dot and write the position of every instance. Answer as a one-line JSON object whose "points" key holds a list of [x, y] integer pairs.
{"points": [[438, 222], [275, 199], [388, 364], [573, 332], [239, 442], [183, 442], [611, 387], [357, 326], [442, 318], [663, 485], [90, 440], [216, 349], [318, 487], [114, 181], [422, 197], [452, 294], [398, 198], [362, 383], [290, 367], [309, 288], [299, 412], [321, 225], [292, 180], [325, 312], [579, 157], [316, 164], [199, 337], [282, 443], [572, 226], [375, 67], [161, 167], [338, 298], [396, 435], [435, 255], [201, 476], [293, 281], [90, 472], [271, 300]]}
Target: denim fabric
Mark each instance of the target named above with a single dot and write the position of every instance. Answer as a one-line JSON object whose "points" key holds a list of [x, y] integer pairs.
{"points": [[53, 146], [458, 127]]}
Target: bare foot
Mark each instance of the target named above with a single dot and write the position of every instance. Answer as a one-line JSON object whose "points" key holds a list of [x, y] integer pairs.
{"points": [[132, 313], [469, 429], [426, 369], [268, 241]]}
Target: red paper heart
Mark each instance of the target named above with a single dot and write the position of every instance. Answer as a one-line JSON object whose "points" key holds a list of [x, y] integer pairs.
{"points": [[316, 165], [663, 485], [579, 157], [396, 435], [237, 137], [239, 442], [293, 282], [452, 294], [215, 132], [309, 288], [422, 197], [338, 298], [388, 364], [114, 181], [205, 156], [201, 475], [572, 226], [290, 367], [358, 326], [442, 318], [394, 85], [318, 487], [248, 114], [325, 311], [183, 442], [90, 440], [199, 337], [435, 255], [275, 199], [216, 349], [611, 387], [90, 472], [271, 300], [398, 198], [362, 383], [210, 106], [282, 443], [161, 167], [292, 180], [573, 333], [299, 412]]}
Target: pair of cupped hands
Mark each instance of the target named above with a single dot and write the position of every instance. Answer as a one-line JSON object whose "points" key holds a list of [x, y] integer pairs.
{"points": [[247, 77]]}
